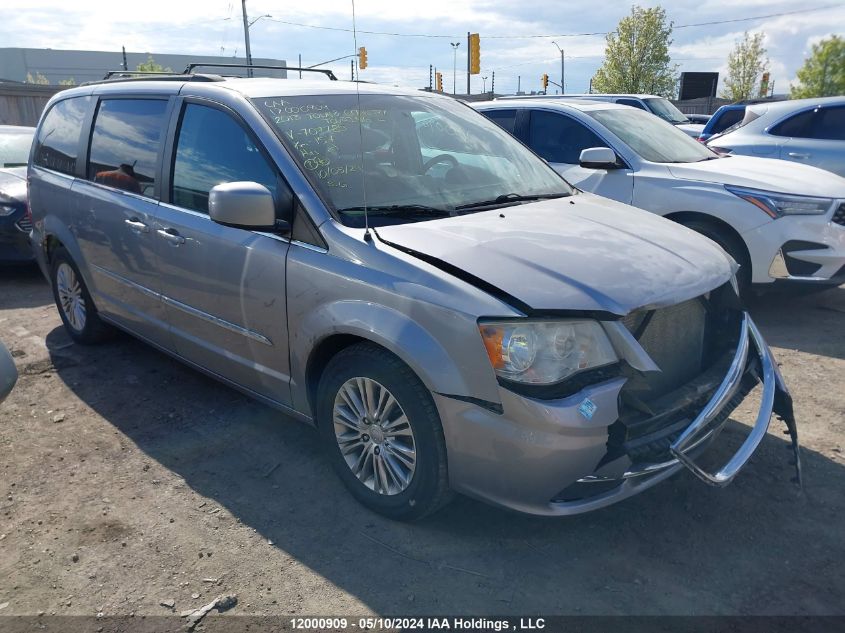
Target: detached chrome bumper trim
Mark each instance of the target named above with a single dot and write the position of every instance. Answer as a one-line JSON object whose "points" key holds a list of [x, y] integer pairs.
{"points": [[724, 393], [775, 398]]}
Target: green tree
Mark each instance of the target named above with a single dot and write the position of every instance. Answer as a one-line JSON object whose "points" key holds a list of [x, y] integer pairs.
{"points": [[70, 81], [636, 57], [37, 79], [823, 72], [746, 65], [151, 66]]}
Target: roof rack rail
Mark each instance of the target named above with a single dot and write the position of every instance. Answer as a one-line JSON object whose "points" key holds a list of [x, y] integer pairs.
{"points": [[189, 69], [115, 76]]}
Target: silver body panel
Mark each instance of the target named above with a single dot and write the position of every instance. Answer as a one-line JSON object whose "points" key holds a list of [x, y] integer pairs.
{"points": [[251, 308]]}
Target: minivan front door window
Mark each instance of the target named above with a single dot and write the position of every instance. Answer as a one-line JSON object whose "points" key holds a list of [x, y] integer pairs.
{"points": [[559, 138], [410, 159], [205, 159]]}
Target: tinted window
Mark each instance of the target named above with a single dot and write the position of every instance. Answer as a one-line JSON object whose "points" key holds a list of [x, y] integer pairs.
{"points": [[631, 102], [559, 138], [506, 119], [205, 159], [57, 144], [125, 143], [829, 124], [796, 125], [726, 120]]}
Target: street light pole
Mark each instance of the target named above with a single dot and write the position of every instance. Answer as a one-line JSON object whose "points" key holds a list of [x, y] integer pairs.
{"points": [[562, 90], [246, 41], [484, 84], [455, 67]]}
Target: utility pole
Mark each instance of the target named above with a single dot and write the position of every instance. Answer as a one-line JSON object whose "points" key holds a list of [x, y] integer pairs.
{"points": [[562, 68], [468, 67], [352, 69], [518, 84], [246, 41], [493, 83], [125, 67], [300, 65], [430, 76], [455, 67]]}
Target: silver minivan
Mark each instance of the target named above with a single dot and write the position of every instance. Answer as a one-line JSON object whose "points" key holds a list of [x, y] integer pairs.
{"points": [[396, 270]]}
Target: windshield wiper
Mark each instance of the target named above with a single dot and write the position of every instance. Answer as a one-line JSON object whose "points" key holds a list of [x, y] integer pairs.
{"points": [[401, 210], [506, 198]]}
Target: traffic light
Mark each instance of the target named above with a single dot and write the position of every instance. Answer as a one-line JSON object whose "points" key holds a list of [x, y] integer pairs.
{"points": [[545, 81], [362, 58], [474, 54], [438, 82]]}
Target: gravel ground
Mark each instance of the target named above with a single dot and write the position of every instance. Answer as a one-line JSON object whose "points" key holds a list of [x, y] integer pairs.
{"points": [[128, 480]]}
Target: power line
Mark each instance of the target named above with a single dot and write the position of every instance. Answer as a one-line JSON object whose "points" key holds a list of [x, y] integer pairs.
{"points": [[516, 37]]}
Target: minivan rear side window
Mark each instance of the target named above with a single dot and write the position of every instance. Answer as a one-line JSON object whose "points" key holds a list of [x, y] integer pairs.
{"points": [[57, 143], [213, 148], [125, 143]]}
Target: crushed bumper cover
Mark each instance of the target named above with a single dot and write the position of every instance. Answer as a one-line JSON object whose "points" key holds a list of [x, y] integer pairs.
{"points": [[523, 456], [775, 398]]}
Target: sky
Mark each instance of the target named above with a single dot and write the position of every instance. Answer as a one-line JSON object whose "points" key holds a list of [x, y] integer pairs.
{"points": [[516, 36]]}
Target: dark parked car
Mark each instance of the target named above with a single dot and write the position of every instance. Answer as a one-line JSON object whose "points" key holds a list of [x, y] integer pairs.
{"points": [[15, 219], [722, 119]]}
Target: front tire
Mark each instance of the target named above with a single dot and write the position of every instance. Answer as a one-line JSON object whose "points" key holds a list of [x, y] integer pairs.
{"points": [[382, 433], [76, 309]]}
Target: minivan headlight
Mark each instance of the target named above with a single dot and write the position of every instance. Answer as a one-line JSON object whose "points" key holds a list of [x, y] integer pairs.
{"points": [[777, 205], [545, 352]]}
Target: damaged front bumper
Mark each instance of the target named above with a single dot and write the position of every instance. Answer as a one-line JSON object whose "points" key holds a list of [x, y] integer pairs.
{"points": [[536, 445]]}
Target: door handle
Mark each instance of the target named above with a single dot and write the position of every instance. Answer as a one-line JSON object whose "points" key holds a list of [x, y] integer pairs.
{"points": [[172, 236], [798, 155], [137, 226]]}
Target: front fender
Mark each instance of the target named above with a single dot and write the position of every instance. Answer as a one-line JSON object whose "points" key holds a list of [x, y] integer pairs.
{"points": [[401, 335]]}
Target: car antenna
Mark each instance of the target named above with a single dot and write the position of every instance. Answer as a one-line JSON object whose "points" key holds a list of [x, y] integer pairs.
{"points": [[367, 236]]}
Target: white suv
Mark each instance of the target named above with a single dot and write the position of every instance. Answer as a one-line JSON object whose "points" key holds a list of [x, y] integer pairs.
{"points": [[779, 221]]}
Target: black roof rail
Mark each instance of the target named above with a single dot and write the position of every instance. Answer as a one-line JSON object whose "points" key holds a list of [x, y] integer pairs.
{"points": [[114, 76], [189, 69]]}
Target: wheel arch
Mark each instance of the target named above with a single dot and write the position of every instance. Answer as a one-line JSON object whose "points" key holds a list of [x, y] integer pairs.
{"points": [[336, 326], [682, 217]]}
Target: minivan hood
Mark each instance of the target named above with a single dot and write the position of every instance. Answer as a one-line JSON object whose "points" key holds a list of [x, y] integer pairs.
{"points": [[768, 174], [583, 253]]}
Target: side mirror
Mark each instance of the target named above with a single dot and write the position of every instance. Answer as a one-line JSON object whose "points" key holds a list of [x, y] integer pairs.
{"points": [[598, 158], [244, 205]]}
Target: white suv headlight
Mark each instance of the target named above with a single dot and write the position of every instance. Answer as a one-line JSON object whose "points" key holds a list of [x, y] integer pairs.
{"points": [[777, 205], [545, 352]]}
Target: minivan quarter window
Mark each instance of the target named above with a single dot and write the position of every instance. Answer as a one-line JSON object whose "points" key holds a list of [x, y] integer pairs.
{"points": [[57, 141], [125, 144], [204, 160]]}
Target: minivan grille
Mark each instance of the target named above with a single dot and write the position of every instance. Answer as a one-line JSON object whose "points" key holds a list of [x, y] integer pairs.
{"points": [[839, 215], [674, 339]]}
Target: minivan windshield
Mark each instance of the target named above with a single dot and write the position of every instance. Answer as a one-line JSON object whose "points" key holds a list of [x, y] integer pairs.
{"points": [[652, 139], [411, 158], [665, 110]]}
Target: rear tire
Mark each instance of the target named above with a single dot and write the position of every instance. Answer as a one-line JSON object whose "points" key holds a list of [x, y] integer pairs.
{"points": [[732, 245], [76, 308], [393, 459]]}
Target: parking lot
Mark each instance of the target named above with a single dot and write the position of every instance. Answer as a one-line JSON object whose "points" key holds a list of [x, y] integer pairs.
{"points": [[129, 480]]}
